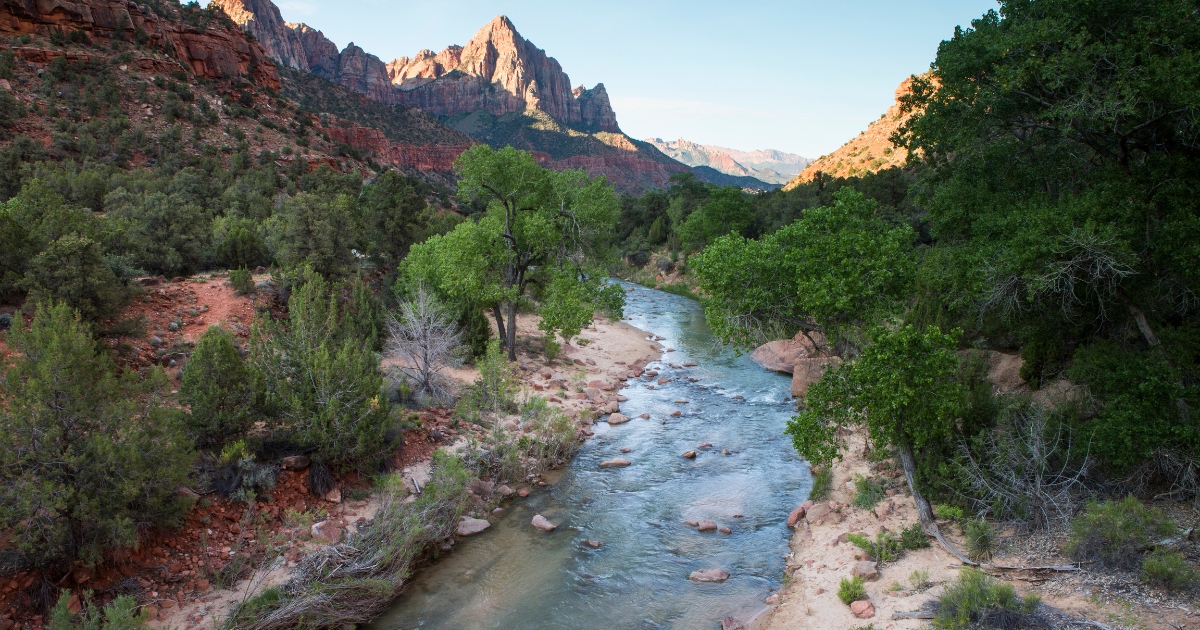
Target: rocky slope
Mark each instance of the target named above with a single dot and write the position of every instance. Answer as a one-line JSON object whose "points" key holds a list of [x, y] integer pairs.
{"points": [[868, 152], [767, 165], [498, 88]]}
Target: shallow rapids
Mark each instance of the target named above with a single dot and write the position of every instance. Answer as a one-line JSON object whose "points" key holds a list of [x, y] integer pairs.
{"points": [[514, 576]]}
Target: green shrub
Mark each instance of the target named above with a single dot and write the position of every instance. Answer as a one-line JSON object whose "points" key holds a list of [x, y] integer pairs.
{"points": [[852, 590], [220, 391], [118, 614], [977, 600], [980, 539], [919, 580], [167, 235], [884, 548], [476, 329], [81, 477], [552, 348], [822, 483], [913, 537], [1117, 533], [948, 512], [1167, 569], [241, 246], [241, 280], [867, 492], [73, 269], [496, 389]]}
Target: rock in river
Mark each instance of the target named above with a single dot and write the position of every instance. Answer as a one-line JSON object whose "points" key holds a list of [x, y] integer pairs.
{"points": [[707, 526], [469, 526], [542, 523], [616, 462], [709, 575], [618, 418]]}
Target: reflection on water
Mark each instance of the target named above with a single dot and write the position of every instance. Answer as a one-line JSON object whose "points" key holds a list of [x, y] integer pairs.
{"points": [[513, 576]]}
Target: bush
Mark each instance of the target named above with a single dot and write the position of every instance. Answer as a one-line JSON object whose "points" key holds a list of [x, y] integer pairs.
{"points": [[242, 247], [867, 492], [822, 482], [80, 478], [977, 600], [552, 348], [315, 230], [948, 512], [219, 388], [980, 539], [73, 269], [496, 389], [167, 235], [325, 388], [884, 548], [119, 614], [477, 332], [241, 280], [1167, 569], [913, 537], [1117, 533], [852, 590]]}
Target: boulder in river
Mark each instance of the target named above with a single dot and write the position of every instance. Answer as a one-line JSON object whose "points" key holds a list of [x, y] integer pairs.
{"points": [[689, 454], [706, 526], [795, 516], [618, 418], [709, 575], [542, 523], [470, 526], [616, 462]]}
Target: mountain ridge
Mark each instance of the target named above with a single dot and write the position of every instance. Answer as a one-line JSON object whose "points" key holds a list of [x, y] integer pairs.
{"points": [[767, 165]]}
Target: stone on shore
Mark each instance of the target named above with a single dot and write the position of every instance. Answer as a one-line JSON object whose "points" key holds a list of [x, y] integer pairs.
{"points": [[866, 570], [618, 418], [862, 609], [616, 462], [542, 523], [808, 371], [709, 575], [795, 516], [470, 526]]}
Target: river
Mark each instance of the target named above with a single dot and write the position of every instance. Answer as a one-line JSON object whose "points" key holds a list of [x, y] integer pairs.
{"points": [[514, 576]]}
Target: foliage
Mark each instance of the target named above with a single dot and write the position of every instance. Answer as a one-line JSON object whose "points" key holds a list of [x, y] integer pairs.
{"points": [[167, 234], [393, 215], [324, 387], [1117, 533], [495, 390], [362, 315], [93, 454], [312, 229], [980, 539], [119, 614], [220, 390], [885, 548], [242, 281], [726, 212], [978, 600], [919, 580], [239, 245], [913, 537], [541, 228], [949, 512], [867, 492], [1168, 569], [838, 269], [851, 590], [72, 269], [822, 482]]}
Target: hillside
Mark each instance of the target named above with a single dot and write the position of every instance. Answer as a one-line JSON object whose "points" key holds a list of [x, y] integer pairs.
{"points": [[498, 88], [767, 165], [869, 152]]}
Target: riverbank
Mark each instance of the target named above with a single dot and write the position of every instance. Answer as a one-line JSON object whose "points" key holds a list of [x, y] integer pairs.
{"points": [[584, 381]]}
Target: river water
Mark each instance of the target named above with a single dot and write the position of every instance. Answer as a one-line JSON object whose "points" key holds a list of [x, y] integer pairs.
{"points": [[514, 576]]}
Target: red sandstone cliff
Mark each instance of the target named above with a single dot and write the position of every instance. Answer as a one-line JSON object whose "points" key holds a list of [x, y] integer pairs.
{"points": [[373, 142], [215, 52]]}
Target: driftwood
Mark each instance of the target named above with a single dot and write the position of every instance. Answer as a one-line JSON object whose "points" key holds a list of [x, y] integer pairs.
{"points": [[916, 614]]}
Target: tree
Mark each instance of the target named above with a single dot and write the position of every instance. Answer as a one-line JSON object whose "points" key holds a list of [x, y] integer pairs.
{"points": [[324, 388], [91, 456], [73, 269], [316, 230], [424, 340], [838, 269], [541, 226], [393, 212], [239, 245], [219, 390], [902, 388], [726, 212], [166, 234]]}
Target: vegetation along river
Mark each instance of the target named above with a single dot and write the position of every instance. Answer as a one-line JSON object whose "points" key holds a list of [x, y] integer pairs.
{"points": [[514, 576]]}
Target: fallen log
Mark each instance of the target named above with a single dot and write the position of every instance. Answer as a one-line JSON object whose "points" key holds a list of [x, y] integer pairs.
{"points": [[916, 614]]}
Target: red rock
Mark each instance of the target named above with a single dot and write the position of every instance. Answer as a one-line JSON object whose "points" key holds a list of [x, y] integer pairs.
{"points": [[808, 371], [522, 493], [706, 526], [795, 516], [690, 454], [862, 609], [868, 571]]}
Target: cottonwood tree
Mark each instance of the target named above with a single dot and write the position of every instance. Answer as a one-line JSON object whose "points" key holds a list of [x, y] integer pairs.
{"points": [[902, 388], [542, 236], [424, 339]]}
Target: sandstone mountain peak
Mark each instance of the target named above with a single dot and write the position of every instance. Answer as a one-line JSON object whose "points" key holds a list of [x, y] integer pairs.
{"points": [[768, 165]]}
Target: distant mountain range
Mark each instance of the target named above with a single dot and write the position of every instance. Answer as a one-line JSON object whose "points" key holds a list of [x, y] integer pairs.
{"points": [[767, 165]]}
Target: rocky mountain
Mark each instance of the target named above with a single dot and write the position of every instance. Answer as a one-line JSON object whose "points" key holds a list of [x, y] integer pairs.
{"points": [[498, 88], [868, 152], [767, 165]]}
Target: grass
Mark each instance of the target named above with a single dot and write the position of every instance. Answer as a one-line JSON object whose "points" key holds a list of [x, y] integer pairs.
{"points": [[1167, 569], [1117, 533], [977, 600], [822, 483], [919, 580], [851, 590], [867, 492]]}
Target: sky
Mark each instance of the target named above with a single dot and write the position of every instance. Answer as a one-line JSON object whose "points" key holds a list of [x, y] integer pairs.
{"points": [[802, 76]]}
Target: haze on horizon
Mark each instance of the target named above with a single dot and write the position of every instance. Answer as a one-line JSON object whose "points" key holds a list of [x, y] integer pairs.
{"points": [[803, 76]]}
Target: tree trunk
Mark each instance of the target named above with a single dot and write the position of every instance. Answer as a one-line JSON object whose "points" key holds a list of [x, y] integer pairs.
{"points": [[500, 325], [909, 462], [512, 331]]}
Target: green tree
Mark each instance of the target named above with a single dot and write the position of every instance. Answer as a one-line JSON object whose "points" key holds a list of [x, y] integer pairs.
{"points": [[220, 391], [323, 386], [902, 388], [316, 230], [91, 456], [837, 270], [73, 269], [166, 234], [726, 212], [541, 227], [239, 245], [393, 212]]}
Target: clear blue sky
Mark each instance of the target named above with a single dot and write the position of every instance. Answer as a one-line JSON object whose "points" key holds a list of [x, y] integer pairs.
{"points": [[802, 76]]}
